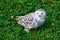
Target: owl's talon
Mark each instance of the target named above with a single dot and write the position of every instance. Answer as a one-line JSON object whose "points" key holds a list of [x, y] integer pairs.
{"points": [[27, 30]]}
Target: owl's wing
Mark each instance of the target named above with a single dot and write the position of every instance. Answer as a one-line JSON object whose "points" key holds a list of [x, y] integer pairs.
{"points": [[28, 19], [31, 22]]}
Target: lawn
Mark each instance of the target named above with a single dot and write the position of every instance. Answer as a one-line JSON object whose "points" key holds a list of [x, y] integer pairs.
{"points": [[10, 30]]}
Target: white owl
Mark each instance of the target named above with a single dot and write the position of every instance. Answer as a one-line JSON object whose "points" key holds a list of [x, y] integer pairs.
{"points": [[32, 20]]}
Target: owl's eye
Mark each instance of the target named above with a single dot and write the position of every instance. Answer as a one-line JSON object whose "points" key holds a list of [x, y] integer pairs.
{"points": [[37, 13], [41, 13]]}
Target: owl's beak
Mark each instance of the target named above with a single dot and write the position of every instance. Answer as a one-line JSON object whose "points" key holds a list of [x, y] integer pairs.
{"points": [[39, 15]]}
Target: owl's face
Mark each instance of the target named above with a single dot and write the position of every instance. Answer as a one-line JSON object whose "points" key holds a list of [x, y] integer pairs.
{"points": [[40, 13]]}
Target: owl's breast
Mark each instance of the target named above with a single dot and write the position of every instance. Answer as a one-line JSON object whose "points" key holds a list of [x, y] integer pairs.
{"points": [[40, 22]]}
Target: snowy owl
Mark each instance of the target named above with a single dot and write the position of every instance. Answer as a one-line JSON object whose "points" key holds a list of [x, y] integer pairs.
{"points": [[32, 20]]}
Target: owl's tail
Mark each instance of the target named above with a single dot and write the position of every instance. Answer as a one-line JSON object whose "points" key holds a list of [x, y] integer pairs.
{"points": [[20, 21], [18, 17]]}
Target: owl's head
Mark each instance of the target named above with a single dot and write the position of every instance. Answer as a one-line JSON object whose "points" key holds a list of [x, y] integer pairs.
{"points": [[40, 13]]}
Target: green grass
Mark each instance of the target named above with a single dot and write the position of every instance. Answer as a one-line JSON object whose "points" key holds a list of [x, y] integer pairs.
{"points": [[10, 30]]}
